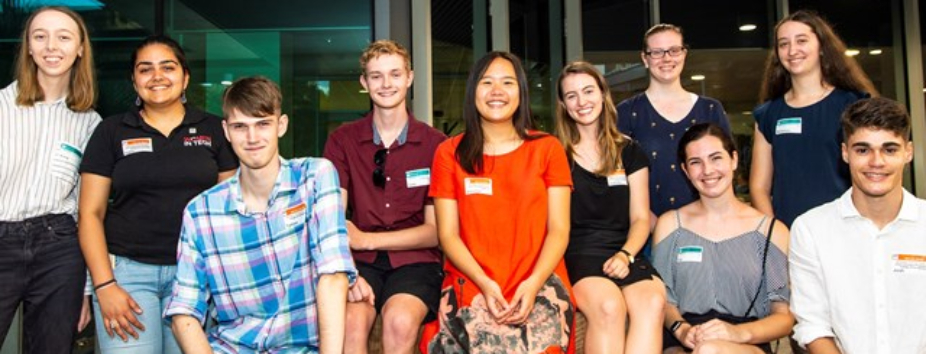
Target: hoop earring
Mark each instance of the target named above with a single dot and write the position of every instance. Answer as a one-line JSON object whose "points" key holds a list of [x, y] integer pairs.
{"points": [[183, 97]]}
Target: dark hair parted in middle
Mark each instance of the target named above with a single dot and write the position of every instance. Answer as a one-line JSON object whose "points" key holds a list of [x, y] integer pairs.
{"points": [[838, 69], [876, 113], [254, 96], [700, 130], [165, 41], [469, 152]]}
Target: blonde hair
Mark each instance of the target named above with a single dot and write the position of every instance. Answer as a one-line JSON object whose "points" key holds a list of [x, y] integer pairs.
{"points": [[81, 86], [384, 47], [610, 141]]}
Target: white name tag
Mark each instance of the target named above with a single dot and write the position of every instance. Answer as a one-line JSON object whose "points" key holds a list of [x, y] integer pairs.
{"points": [[295, 215], [909, 263], [132, 146], [619, 178], [690, 254], [418, 178], [788, 126], [478, 185]]}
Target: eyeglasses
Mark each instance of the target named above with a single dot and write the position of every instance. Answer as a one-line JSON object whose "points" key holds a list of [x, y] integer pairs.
{"points": [[379, 173], [659, 53]]}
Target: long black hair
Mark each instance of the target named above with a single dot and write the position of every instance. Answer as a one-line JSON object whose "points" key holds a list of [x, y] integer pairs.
{"points": [[469, 152]]}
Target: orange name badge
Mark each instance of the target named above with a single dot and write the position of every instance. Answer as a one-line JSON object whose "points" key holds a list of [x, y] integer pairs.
{"points": [[478, 185], [295, 215], [909, 263], [134, 146]]}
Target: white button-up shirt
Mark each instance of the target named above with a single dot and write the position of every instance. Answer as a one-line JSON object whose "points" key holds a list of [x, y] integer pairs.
{"points": [[863, 286]]}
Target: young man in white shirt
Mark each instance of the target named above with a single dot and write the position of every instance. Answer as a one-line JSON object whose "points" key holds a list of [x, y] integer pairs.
{"points": [[858, 264]]}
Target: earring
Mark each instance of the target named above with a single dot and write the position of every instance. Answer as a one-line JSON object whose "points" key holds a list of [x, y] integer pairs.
{"points": [[183, 97], [137, 101]]}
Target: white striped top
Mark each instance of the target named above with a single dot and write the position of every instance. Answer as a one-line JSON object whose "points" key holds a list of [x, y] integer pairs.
{"points": [[703, 275], [40, 151]]}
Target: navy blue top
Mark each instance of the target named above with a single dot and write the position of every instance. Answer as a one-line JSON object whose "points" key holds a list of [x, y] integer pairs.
{"points": [[668, 187], [806, 152], [600, 213]]}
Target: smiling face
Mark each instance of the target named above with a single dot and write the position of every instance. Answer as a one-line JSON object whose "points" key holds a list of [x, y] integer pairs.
{"points": [[387, 79], [254, 139], [709, 166], [497, 92], [668, 68], [582, 98], [798, 48], [54, 43], [876, 161], [158, 77]]}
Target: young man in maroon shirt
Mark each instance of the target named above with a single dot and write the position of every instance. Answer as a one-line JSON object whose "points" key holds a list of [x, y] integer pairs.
{"points": [[384, 164]]}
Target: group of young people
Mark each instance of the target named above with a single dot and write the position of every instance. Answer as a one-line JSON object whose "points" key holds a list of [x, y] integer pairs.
{"points": [[199, 237]]}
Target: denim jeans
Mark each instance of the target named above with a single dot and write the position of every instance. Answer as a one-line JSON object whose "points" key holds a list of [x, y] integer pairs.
{"points": [[42, 268], [150, 285]]}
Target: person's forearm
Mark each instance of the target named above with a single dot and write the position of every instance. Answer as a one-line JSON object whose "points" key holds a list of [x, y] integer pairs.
{"points": [[557, 238], [190, 335], [413, 238], [93, 247], [332, 309], [637, 235], [772, 327], [825, 345]]}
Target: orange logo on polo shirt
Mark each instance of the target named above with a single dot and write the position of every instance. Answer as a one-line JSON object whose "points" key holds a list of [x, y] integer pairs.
{"points": [[295, 214], [198, 140], [134, 146]]}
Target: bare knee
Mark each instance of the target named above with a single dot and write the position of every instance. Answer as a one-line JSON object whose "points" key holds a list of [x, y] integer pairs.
{"points": [[402, 320], [710, 347], [359, 321], [649, 302], [607, 311]]}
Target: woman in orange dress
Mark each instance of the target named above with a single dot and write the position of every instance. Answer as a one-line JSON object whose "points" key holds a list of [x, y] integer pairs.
{"points": [[501, 192]]}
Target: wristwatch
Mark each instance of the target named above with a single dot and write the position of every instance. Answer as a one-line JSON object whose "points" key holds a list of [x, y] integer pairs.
{"points": [[626, 253]]}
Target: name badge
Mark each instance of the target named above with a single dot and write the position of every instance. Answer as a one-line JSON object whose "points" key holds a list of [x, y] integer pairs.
{"points": [[478, 185], [690, 254], [619, 178], [909, 263], [133, 146], [418, 178], [295, 215], [788, 126]]}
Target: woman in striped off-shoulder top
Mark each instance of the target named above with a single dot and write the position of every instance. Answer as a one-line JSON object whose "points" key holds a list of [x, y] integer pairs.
{"points": [[726, 279]]}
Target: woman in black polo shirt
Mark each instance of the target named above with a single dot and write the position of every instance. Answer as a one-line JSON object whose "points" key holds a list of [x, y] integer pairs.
{"points": [[150, 161]]}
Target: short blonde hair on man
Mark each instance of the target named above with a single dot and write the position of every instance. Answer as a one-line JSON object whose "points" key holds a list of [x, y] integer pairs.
{"points": [[384, 47]]}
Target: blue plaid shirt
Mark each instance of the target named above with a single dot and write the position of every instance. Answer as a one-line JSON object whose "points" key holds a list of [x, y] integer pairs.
{"points": [[262, 269]]}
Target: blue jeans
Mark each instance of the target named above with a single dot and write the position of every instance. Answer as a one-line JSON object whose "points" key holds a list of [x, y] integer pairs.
{"points": [[150, 285], [41, 267]]}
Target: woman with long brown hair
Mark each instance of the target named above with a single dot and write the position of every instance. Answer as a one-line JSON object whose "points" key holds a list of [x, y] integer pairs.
{"points": [[610, 219], [796, 156]]}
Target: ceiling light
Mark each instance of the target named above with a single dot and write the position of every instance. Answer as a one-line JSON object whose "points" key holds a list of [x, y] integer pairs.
{"points": [[875, 52], [697, 77], [226, 82], [852, 52], [747, 27], [747, 113]]}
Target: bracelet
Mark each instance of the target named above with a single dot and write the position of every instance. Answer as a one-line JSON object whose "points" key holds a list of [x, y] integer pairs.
{"points": [[104, 284], [675, 326]]}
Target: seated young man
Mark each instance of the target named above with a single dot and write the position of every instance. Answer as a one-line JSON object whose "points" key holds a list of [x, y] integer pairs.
{"points": [[268, 245], [858, 264], [384, 163]]}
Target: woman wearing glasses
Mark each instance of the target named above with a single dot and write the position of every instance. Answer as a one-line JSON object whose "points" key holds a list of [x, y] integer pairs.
{"points": [[658, 117]]}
